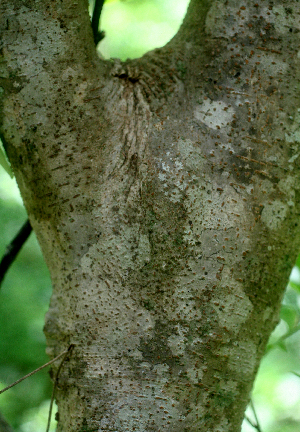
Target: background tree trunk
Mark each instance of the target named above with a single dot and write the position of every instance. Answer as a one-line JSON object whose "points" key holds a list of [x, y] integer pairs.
{"points": [[164, 192]]}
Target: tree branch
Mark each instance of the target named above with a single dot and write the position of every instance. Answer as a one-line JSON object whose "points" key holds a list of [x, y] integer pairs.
{"points": [[13, 249], [257, 425], [98, 35], [40, 368]]}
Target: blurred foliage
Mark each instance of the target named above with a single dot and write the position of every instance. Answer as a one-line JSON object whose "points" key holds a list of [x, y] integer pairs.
{"points": [[276, 392], [132, 27], [4, 162], [24, 298]]}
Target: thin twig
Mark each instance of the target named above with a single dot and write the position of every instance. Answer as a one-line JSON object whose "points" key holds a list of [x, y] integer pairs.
{"points": [[98, 35], [250, 422], [13, 249], [255, 416], [55, 384], [35, 371]]}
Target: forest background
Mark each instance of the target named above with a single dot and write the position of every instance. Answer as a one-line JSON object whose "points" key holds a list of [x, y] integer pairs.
{"points": [[132, 27]]}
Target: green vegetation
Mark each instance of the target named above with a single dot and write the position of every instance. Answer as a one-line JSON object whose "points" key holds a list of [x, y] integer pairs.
{"points": [[24, 298]]}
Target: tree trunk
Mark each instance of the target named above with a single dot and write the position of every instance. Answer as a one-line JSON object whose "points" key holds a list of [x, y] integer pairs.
{"points": [[164, 192]]}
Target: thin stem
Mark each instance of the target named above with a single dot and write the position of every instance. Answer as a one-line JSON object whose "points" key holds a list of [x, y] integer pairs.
{"points": [[250, 422], [35, 371], [55, 384], [13, 249], [98, 35], [255, 416]]}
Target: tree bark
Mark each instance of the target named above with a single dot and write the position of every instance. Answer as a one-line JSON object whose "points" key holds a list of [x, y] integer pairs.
{"points": [[164, 192]]}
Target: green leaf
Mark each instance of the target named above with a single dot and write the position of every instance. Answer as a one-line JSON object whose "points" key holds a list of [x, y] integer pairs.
{"points": [[298, 261], [290, 315], [278, 344], [295, 286], [281, 344], [4, 161]]}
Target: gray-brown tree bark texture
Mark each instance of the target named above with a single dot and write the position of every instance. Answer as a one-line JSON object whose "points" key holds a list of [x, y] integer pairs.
{"points": [[164, 192]]}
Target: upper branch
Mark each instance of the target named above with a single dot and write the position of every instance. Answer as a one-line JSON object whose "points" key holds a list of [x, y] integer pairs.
{"points": [[13, 249], [98, 35], [48, 64]]}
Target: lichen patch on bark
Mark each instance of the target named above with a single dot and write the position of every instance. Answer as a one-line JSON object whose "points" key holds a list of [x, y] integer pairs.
{"points": [[215, 114]]}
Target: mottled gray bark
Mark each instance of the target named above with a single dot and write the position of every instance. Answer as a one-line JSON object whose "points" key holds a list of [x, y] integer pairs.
{"points": [[164, 192]]}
